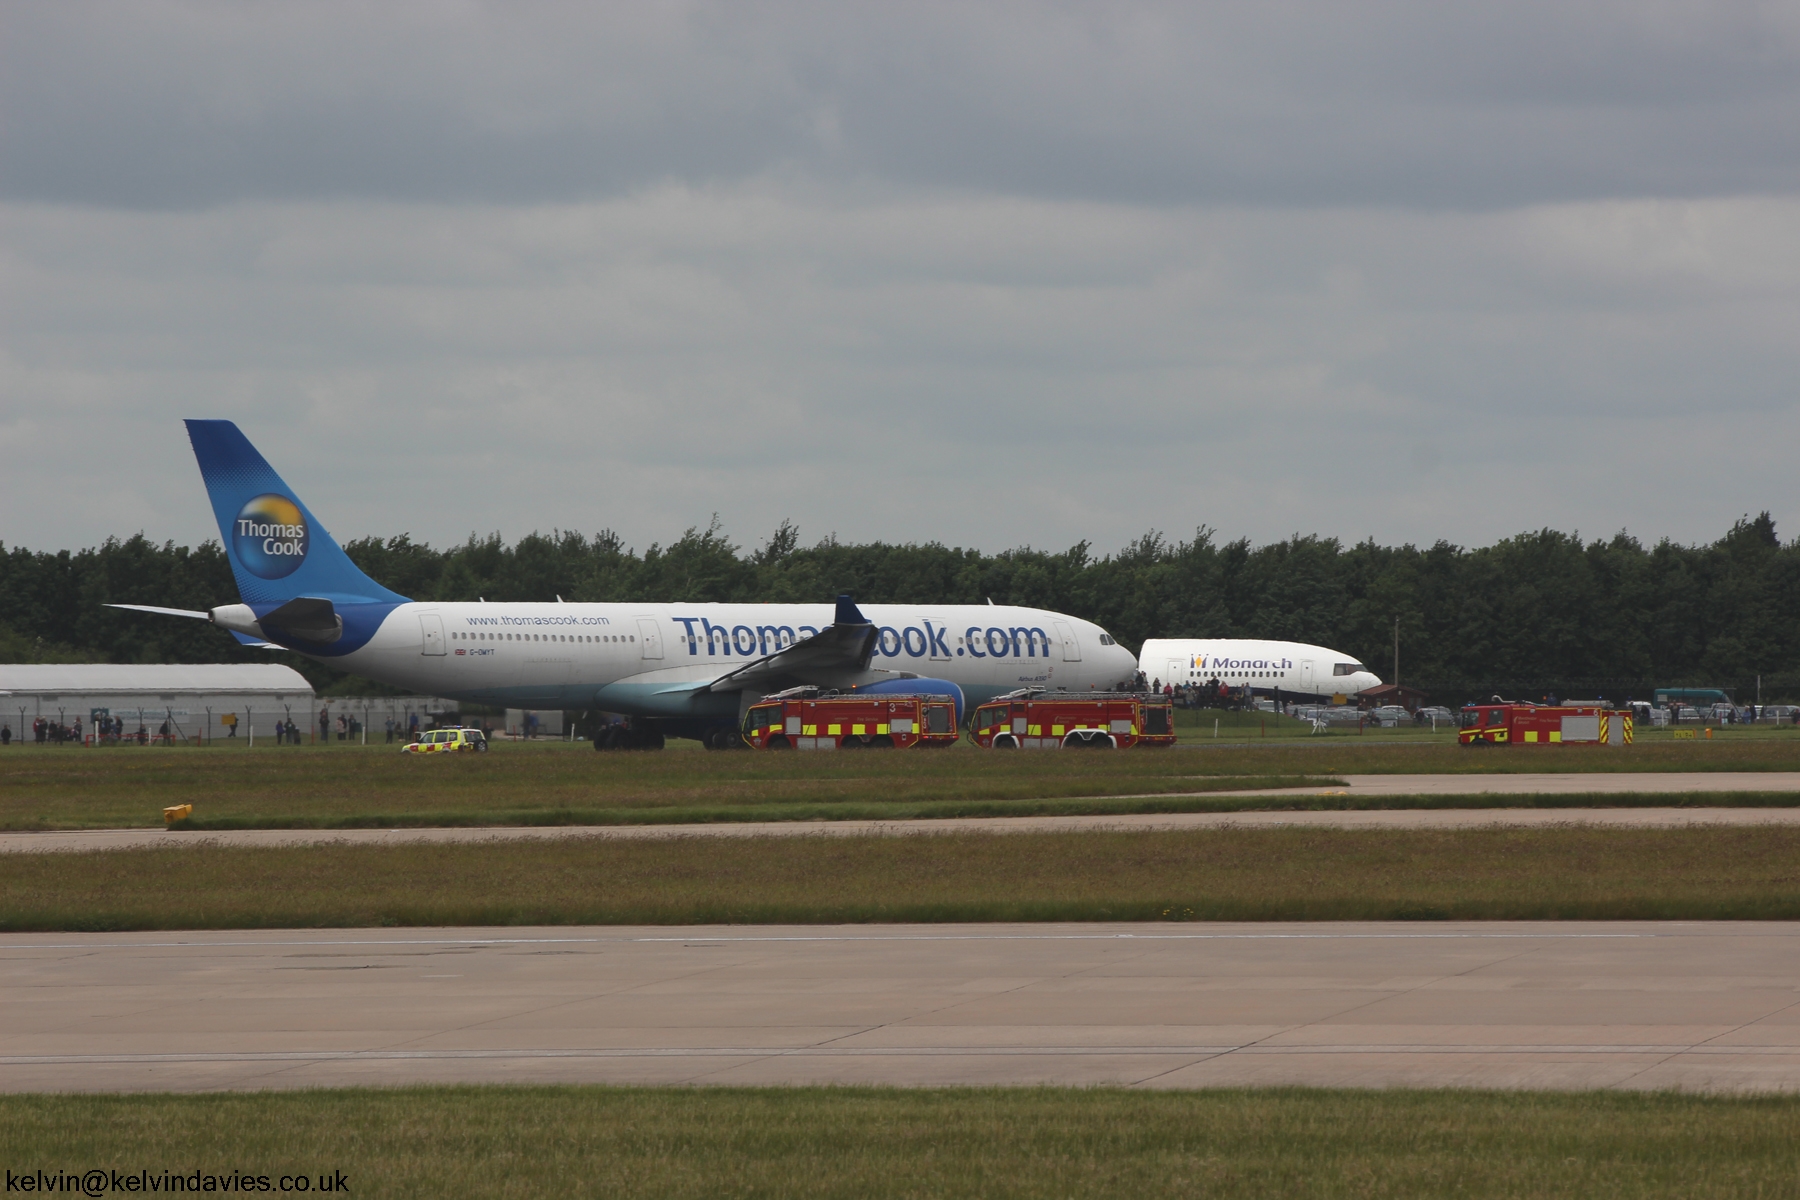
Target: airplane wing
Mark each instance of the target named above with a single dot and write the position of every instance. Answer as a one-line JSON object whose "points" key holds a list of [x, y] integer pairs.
{"points": [[844, 647]]}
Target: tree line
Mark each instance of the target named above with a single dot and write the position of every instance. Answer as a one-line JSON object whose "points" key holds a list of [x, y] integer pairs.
{"points": [[1538, 612]]}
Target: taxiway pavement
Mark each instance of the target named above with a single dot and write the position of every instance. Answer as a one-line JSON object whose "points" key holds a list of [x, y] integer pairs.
{"points": [[1712, 1006]]}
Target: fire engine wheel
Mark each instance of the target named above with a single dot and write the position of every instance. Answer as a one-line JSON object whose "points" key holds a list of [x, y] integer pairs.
{"points": [[881, 741], [1087, 740], [1480, 743], [1006, 741], [780, 742]]}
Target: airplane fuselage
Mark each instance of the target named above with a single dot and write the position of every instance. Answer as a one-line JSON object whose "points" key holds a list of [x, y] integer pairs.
{"points": [[1298, 670], [649, 660]]}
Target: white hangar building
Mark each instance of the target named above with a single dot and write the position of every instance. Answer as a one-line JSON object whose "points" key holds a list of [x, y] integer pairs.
{"points": [[193, 696]]}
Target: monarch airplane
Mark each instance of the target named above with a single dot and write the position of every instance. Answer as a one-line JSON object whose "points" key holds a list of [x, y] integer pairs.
{"points": [[1296, 670], [677, 670]]}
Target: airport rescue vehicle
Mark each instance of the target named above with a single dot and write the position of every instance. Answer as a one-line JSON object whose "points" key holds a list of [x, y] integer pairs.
{"points": [[818, 719], [448, 741], [1034, 719], [1514, 723]]}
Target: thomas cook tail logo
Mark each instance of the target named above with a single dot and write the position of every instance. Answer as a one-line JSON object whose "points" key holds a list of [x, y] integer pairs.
{"points": [[270, 537]]}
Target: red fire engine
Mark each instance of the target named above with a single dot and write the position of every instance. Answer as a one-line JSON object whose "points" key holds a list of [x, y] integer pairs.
{"points": [[815, 719], [1511, 723], [1033, 719]]}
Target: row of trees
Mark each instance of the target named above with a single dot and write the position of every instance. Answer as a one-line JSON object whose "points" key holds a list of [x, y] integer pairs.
{"points": [[1538, 612]]}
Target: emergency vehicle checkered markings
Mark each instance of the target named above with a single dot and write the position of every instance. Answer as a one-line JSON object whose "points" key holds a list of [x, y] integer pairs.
{"points": [[1516, 723], [1034, 719], [817, 719]]}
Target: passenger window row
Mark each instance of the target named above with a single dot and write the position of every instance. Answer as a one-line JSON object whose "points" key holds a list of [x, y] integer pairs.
{"points": [[542, 637]]}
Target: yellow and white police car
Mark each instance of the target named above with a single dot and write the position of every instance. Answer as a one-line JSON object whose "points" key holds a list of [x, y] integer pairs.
{"points": [[448, 741]]}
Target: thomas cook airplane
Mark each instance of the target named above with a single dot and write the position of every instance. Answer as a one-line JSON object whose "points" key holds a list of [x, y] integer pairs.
{"points": [[676, 670], [1296, 670]]}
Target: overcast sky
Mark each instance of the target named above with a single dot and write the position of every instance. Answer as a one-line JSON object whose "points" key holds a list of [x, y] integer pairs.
{"points": [[987, 275]]}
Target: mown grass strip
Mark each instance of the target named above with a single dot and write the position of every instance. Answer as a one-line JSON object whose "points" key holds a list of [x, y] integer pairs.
{"points": [[1279, 874], [321, 786], [1012, 1143], [69, 788], [1305, 800], [893, 810]]}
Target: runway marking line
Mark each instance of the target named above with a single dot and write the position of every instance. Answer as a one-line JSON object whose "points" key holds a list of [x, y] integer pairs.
{"points": [[903, 937], [306, 1056]]}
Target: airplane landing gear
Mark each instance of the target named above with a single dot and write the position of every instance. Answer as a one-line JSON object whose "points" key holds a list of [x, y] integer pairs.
{"points": [[633, 735]]}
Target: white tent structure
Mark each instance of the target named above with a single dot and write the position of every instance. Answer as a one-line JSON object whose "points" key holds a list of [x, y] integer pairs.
{"points": [[192, 697]]}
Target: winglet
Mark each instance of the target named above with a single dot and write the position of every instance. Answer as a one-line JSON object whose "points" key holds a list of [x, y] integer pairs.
{"points": [[848, 613]]}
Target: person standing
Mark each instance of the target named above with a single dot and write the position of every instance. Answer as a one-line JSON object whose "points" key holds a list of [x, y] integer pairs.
{"points": [[325, 724]]}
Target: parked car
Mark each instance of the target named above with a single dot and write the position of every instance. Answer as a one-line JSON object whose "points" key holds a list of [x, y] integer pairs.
{"points": [[1435, 714], [1391, 716]]}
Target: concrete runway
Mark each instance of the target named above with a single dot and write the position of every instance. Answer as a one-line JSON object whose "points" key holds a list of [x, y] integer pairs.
{"points": [[1712, 1006]]}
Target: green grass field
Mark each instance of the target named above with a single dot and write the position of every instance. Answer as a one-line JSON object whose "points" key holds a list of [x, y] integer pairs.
{"points": [[1199, 725], [561, 783], [1279, 874], [869, 1142], [558, 783]]}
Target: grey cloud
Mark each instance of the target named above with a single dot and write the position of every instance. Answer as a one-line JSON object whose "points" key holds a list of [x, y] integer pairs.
{"points": [[1315, 103], [1020, 371]]}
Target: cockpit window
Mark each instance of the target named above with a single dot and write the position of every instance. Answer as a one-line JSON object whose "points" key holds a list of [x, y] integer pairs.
{"points": [[1106, 639], [1348, 669]]}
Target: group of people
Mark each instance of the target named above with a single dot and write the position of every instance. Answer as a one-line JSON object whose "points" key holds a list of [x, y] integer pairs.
{"points": [[1210, 694], [46, 732], [112, 729], [348, 726]]}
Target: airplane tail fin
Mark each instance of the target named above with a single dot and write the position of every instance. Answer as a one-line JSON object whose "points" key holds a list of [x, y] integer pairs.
{"points": [[278, 550]]}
